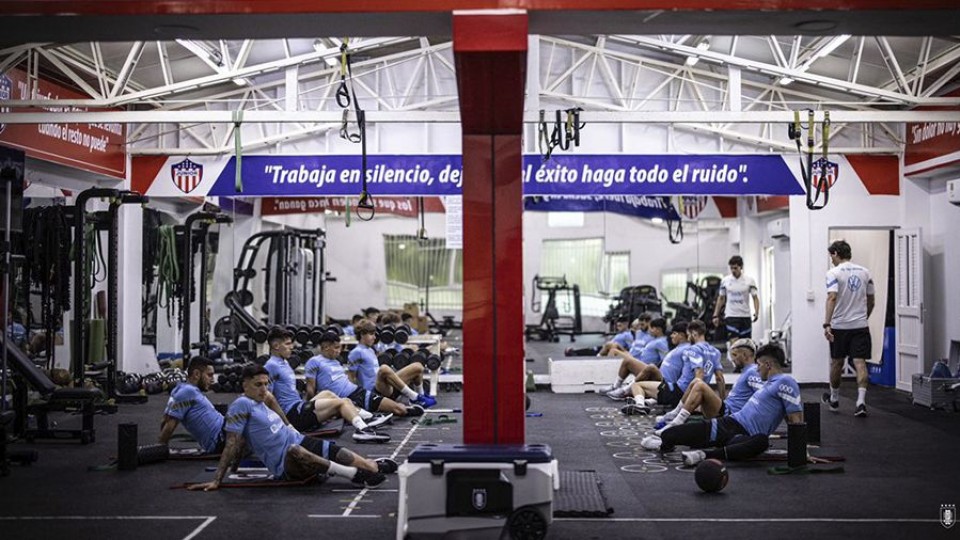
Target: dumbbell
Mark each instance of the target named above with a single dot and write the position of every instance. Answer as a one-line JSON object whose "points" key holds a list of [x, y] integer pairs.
{"points": [[216, 387], [386, 357], [262, 359], [402, 359], [260, 334], [401, 334], [336, 329], [316, 334], [433, 362], [419, 356], [302, 335], [387, 336]]}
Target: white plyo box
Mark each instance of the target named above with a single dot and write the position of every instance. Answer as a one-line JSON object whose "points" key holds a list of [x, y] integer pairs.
{"points": [[579, 374]]}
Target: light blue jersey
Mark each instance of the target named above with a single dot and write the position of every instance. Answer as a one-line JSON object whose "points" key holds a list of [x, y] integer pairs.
{"points": [[349, 331], [283, 383], [624, 339], [672, 364], [190, 407], [703, 356], [748, 383], [362, 360], [264, 431], [767, 407], [654, 351], [330, 375], [640, 341]]}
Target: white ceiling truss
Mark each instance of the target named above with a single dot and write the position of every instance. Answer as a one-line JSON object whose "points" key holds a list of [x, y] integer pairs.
{"points": [[182, 97]]}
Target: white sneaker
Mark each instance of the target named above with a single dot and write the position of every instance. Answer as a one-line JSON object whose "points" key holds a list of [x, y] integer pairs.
{"points": [[650, 402], [607, 388], [651, 442], [379, 420], [619, 393], [693, 457]]}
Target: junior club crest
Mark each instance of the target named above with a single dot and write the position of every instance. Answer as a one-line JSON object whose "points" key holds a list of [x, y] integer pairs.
{"points": [[948, 515], [479, 498], [186, 175], [823, 174], [692, 206]]}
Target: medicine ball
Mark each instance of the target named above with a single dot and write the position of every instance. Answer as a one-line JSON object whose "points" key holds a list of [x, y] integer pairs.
{"points": [[711, 475]]}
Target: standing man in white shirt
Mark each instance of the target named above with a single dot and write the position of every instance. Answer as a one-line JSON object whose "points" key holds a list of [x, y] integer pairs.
{"points": [[733, 302], [850, 300]]}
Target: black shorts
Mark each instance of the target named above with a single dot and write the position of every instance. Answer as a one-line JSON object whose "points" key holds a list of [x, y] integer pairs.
{"points": [[725, 430], [301, 419], [738, 327], [669, 394], [365, 399], [853, 343], [320, 447], [723, 409]]}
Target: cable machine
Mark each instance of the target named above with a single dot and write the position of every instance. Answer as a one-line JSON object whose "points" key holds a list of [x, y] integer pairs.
{"points": [[203, 220]]}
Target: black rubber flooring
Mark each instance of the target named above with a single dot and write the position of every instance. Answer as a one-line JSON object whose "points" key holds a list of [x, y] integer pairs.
{"points": [[903, 463]]}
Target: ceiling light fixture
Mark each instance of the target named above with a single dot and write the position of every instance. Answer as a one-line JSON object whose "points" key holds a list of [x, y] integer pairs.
{"points": [[702, 46]]}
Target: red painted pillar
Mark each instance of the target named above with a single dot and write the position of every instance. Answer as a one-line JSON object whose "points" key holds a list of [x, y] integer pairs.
{"points": [[490, 52]]}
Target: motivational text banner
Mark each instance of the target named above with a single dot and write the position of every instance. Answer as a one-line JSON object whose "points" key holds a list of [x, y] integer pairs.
{"points": [[576, 175], [630, 205]]}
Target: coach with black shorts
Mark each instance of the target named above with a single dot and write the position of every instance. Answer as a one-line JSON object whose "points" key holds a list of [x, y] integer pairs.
{"points": [[850, 300], [737, 292]]}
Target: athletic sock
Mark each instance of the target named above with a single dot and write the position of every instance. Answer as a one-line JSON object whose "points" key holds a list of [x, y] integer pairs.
{"points": [[834, 394], [337, 469], [410, 394], [359, 423], [365, 414], [861, 396], [680, 418]]}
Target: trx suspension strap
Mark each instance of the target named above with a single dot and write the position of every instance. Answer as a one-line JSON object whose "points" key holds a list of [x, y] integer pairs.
{"points": [[168, 270], [818, 176], [422, 231], [675, 227], [238, 150], [345, 95], [565, 131]]}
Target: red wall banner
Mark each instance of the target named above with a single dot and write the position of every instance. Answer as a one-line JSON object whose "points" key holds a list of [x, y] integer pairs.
{"points": [[932, 145], [97, 148]]}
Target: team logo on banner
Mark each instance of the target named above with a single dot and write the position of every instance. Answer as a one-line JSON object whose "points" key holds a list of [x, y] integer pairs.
{"points": [[692, 206], [6, 90], [479, 498], [948, 515], [823, 174], [186, 175]]}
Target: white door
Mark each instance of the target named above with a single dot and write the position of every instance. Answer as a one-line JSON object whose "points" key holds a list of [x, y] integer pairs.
{"points": [[909, 246]]}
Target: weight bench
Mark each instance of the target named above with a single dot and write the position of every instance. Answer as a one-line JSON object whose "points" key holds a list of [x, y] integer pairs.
{"points": [[54, 399]]}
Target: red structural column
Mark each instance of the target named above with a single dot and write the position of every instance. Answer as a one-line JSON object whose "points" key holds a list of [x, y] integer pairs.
{"points": [[490, 52]]}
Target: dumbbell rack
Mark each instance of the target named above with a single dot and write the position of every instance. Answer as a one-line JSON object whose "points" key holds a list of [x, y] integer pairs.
{"points": [[433, 346]]}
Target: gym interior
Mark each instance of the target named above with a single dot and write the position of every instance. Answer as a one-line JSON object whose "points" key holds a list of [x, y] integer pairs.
{"points": [[529, 270]]}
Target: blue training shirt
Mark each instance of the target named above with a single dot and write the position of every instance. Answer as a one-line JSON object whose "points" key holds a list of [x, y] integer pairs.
{"points": [[654, 351], [283, 383], [349, 331], [703, 356], [672, 364], [624, 339], [264, 431], [362, 360], [767, 407], [748, 383], [640, 341], [190, 407], [330, 375]]}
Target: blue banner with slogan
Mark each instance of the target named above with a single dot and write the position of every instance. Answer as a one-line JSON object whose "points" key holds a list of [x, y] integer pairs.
{"points": [[630, 205], [562, 175]]}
